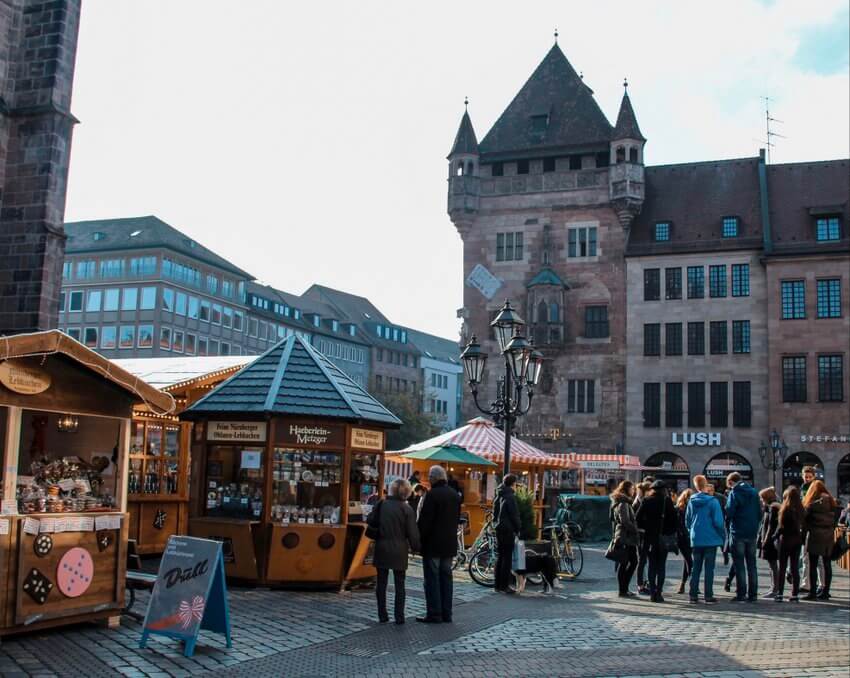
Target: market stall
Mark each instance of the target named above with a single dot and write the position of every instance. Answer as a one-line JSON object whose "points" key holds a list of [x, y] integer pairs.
{"points": [[481, 437], [65, 419], [158, 481], [286, 456], [603, 472]]}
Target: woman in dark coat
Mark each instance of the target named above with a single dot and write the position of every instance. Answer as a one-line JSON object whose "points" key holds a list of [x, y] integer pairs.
{"points": [[766, 546], [819, 522], [684, 537], [625, 529], [397, 536], [656, 517], [789, 539]]}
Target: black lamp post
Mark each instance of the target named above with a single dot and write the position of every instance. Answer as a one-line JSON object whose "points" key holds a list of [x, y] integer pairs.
{"points": [[522, 373], [773, 455]]}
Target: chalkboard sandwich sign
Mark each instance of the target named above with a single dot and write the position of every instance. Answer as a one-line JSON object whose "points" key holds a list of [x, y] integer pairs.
{"points": [[190, 593]]}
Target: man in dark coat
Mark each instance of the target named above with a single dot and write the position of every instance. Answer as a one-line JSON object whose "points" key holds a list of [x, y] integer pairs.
{"points": [[507, 523], [439, 516], [657, 516], [743, 516]]}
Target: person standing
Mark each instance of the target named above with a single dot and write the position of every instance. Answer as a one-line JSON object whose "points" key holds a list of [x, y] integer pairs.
{"points": [[439, 516], [704, 521], [414, 479], [657, 518], [507, 525], [640, 492], [819, 522], [625, 531], [766, 545], [743, 515], [397, 536], [808, 475], [684, 538], [416, 497], [789, 539]]}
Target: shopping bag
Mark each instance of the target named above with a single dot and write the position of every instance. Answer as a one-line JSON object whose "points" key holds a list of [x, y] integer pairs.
{"points": [[518, 562]]}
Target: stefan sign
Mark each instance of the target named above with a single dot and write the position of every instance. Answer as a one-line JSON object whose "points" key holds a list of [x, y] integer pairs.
{"points": [[695, 438], [237, 431], [825, 438]]}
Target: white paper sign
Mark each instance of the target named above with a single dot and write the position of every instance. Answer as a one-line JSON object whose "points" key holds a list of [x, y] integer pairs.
{"points": [[67, 485], [4, 526], [31, 526], [107, 522], [484, 281], [9, 507], [61, 525], [250, 459], [47, 525]]}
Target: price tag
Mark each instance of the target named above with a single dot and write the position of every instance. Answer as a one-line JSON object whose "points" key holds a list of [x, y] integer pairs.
{"points": [[310, 521], [47, 525], [85, 524], [4, 526], [210, 503], [244, 501], [9, 507], [327, 521], [212, 485], [67, 485], [285, 523], [301, 521], [31, 526]]}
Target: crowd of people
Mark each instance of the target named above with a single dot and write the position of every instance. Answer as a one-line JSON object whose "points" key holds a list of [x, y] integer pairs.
{"points": [[794, 534]]}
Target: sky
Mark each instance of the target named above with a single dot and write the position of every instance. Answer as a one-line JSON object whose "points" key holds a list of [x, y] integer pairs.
{"points": [[306, 142]]}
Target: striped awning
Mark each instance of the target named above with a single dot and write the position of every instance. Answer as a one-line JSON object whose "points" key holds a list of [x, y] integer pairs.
{"points": [[626, 462], [481, 437]]}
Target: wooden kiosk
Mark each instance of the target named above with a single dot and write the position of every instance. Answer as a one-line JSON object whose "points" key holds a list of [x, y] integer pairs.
{"points": [[65, 419], [158, 480], [286, 456]]}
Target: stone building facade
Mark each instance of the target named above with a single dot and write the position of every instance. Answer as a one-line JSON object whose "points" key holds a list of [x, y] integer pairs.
{"points": [[543, 205], [38, 44]]}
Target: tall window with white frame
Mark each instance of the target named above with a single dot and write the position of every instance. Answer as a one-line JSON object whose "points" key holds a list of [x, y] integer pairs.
{"points": [[509, 246], [829, 298], [581, 396], [793, 299], [581, 242], [828, 229]]}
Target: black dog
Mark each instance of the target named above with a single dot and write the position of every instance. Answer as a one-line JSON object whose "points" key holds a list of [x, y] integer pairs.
{"points": [[536, 563]]}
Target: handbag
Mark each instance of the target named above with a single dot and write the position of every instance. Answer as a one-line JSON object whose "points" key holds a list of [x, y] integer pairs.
{"points": [[617, 551], [669, 542], [518, 559], [840, 547], [373, 527]]}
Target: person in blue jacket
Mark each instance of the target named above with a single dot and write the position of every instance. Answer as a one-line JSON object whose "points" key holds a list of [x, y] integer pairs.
{"points": [[743, 516], [704, 522]]}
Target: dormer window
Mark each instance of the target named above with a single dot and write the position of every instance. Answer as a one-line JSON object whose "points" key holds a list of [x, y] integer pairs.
{"points": [[828, 229], [316, 321], [352, 330], [730, 227], [548, 164], [379, 330], [662, 231], [522, 166], [296, 314], [98, 235], [633, 155], [335, 325], [539, 123]]}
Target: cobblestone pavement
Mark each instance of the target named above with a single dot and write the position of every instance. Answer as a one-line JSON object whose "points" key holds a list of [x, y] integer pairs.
{"points": [[583, 630]]}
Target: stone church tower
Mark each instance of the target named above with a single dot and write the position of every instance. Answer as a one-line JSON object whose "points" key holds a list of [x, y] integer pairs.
{"points": [[543, 204]]}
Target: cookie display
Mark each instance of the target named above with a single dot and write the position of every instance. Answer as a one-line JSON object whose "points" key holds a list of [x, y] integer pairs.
{"points": [[42, 545], [38, 586], [75, 572], [104, 539]]}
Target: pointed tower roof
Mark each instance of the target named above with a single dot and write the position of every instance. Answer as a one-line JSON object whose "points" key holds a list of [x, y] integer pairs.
{"points": [[465, 139], [627, 126], [554, 109]]}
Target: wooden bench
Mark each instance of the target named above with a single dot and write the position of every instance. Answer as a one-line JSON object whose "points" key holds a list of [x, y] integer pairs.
{"points": [[136, 579]]}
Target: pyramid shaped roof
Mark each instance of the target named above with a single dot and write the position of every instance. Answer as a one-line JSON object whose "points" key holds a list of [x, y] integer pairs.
{"points": [[465, 140], [293, 378], [627, 125], [546, 276], [554, 90]]}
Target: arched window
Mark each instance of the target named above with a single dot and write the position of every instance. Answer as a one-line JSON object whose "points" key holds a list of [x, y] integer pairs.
{"points": [[670, 468], [633, 154], [621, 154], [460, 168], [554, 312], [470, 168], [792, 469], [542, 312], [721, 465]]}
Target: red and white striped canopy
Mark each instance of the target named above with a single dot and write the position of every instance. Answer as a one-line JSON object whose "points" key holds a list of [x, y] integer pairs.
{"points": [[627, 462], [481, 437]]}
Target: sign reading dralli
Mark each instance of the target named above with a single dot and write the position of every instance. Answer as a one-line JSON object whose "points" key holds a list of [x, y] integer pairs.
{"points": [[695, 439]]}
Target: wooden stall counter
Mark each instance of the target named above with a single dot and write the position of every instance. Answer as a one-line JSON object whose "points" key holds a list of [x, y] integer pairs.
{"points": [[301, 552], [239, 538], [51, 578]]}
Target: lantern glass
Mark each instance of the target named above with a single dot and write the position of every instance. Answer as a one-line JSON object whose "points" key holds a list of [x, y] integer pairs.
{"points": [[519, 353], [535, 367], [474, 360], [506, 324]]}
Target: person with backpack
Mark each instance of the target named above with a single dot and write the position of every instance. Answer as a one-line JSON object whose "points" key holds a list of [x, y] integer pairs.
{"points": [[743, 515], [704, 521], [507, 525]]}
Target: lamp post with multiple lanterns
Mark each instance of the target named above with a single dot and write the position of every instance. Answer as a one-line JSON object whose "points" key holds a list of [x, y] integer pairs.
{"points": [[522, 373], [773, 455]]}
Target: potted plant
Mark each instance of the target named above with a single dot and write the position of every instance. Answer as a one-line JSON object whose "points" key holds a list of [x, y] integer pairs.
{"points": [[528, 531]]}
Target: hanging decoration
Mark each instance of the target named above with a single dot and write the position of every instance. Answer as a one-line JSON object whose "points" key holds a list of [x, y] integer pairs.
{"points": [[38, 586], [68, 423], [104, 539], [42, 545], [159, 519], [75, 572]]}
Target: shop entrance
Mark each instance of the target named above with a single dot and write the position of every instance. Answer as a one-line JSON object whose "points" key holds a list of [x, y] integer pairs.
{"points": [[721, 465], [844, 480], [792, 470], [670, 468]]}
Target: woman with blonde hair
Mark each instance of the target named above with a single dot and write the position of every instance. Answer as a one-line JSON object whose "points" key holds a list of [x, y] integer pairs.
{"points": [[625, 531], [819, 522], [684, 538]]}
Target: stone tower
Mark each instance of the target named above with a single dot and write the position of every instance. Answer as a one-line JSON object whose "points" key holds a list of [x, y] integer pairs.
{"points": [[543, 205], [38, 45]]}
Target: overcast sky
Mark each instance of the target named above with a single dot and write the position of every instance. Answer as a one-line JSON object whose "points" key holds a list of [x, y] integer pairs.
{"points": [[306, 141]]}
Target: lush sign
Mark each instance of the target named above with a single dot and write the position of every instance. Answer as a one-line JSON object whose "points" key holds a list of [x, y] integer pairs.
{"points": [[189, 594], [695, 438]]}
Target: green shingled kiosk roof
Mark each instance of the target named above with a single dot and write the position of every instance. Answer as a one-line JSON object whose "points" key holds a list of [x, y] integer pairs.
{"points": [[293, 378]]}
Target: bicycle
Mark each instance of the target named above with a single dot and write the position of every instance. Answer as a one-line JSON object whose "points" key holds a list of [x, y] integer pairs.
{"points": [[482, 562], [460, 558]]}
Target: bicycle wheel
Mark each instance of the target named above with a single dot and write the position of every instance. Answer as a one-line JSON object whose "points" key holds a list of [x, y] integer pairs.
{"points": [[575, 531], [572, 559], [482, 566], [459, 560]]}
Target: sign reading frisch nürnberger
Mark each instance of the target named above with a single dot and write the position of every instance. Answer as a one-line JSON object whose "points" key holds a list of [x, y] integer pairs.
{"points": [[310, 434], [237, 431]]}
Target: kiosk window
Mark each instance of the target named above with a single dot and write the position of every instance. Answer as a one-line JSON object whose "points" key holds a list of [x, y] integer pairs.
{"points": [[234, 482], [306, 486]]}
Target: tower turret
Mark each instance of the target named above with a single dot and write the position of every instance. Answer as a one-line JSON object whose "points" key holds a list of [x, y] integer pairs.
{"points": [[463, 173], [626, 174]]}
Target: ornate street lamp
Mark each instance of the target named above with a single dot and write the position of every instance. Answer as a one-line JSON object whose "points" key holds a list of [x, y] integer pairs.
{"points": [[523, 366], [773, 456]]}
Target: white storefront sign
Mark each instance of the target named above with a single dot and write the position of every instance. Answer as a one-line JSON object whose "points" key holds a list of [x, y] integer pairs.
{"points": [[695, 438], [596, 464], [237, 431], [824, 438]]}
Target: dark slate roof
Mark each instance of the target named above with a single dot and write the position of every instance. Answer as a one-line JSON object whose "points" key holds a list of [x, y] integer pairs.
{"points": [[556, 90], [546, 276], [150, 232], [694, 198], [293, 378], [435, 347], [358, 309], [797, 194], [465, 139], [627, 125]]}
